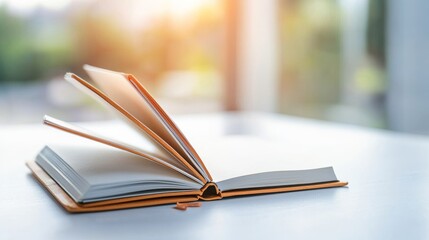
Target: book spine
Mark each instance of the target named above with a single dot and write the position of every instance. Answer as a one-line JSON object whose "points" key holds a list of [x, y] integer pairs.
{"points": [[210, 191]]}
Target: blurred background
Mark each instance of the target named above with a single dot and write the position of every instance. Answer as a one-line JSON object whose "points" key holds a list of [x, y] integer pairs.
{"points": [[352, 61]]}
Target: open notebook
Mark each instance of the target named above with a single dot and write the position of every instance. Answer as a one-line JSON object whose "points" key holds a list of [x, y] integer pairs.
{"points": [[163, 168]]}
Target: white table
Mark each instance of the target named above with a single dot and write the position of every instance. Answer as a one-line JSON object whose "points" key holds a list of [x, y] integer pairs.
{"points": [[387, 197]]}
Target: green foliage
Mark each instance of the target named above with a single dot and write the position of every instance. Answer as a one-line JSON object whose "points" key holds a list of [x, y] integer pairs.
{"points": [[43, 45], [310, 44], [27, 54]]}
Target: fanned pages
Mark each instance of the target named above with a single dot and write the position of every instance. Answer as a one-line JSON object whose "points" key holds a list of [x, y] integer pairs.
{"points": [[148, 133], [118, 88], [100, 172], [170, 124]]}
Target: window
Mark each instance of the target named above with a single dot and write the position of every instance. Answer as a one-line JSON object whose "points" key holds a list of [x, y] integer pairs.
{"points": [[333, 60], [173, 47]]}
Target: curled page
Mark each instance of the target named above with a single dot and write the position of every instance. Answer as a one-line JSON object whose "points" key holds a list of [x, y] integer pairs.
{"points": [[67, 127]]}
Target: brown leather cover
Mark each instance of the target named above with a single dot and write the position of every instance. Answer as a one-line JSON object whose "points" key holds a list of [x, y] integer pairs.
{"points": [[208, 192], [235, 193]]}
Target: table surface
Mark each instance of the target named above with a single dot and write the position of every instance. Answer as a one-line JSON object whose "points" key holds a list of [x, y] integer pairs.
{"points": [[387, 196]]}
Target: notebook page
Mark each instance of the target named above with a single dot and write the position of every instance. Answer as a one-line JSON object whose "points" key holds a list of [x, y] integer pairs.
{"points": [[103, 165], [162, 148], [67, 127]]}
